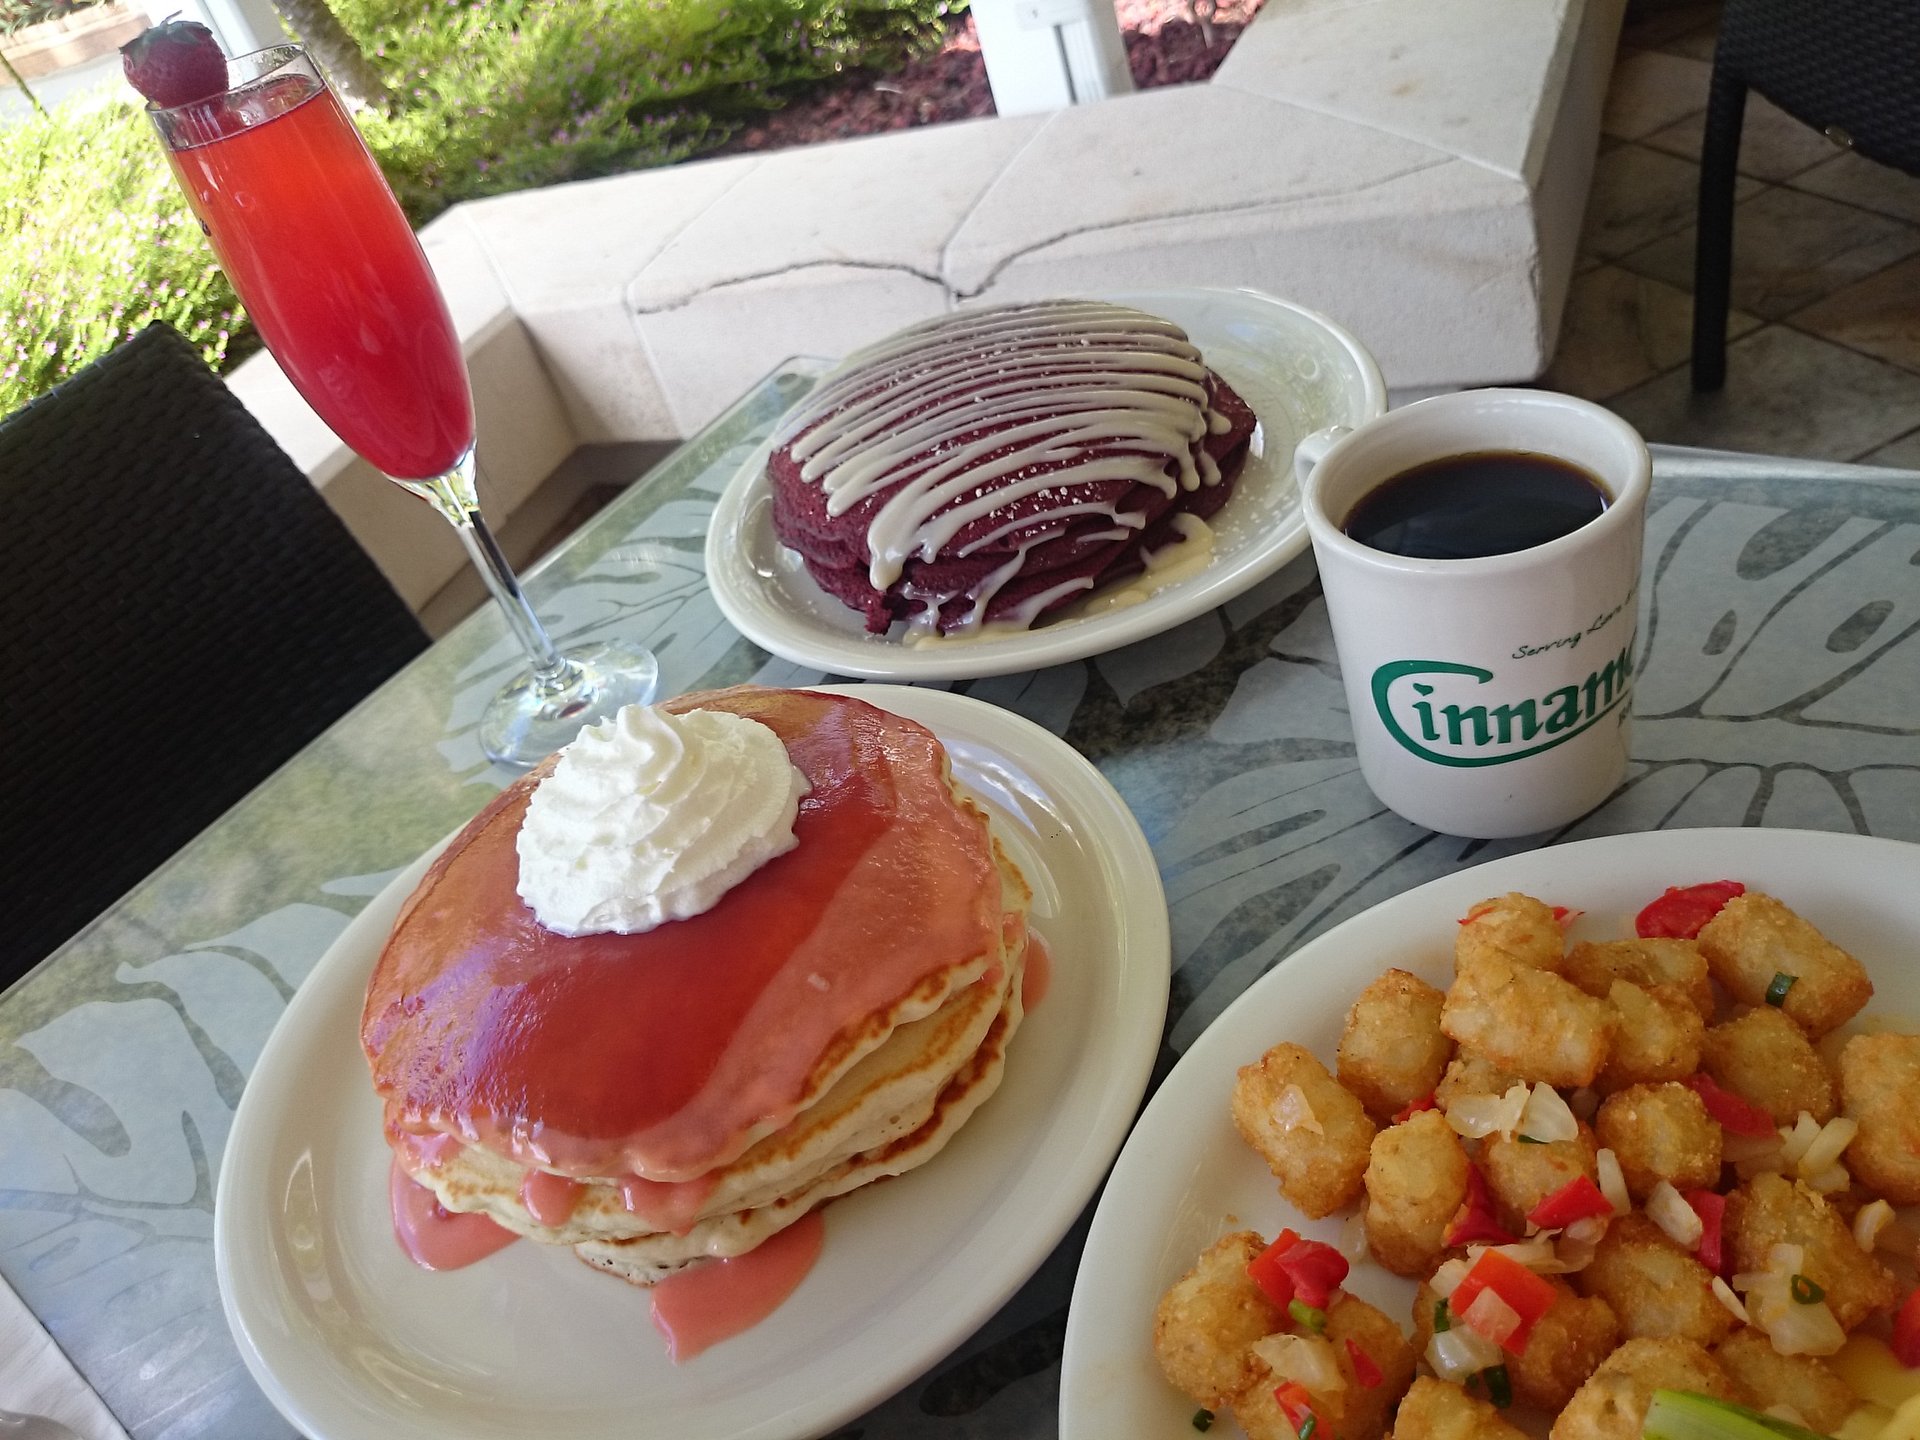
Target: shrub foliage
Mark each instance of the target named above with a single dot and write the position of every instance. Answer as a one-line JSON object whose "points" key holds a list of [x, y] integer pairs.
{"points": [[494, 95]]}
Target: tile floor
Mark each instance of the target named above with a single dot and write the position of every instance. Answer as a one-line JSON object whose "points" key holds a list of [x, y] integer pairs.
{"points": [[1823, 356]]}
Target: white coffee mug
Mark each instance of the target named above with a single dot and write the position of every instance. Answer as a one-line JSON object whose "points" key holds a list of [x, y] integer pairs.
{"points": [[1489, 696]]}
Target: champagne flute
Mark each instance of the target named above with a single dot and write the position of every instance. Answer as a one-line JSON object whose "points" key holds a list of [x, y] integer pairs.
{"points": [[308, 231]]}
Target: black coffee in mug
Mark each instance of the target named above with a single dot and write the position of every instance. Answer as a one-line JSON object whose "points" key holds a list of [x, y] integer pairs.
{"points": [[1465, 507]]}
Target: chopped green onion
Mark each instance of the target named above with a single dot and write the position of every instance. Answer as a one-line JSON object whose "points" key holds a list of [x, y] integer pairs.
{"points": [[1499, 1385], [1682, 1415], [1805, 1291], [1441, 1320], [1529, 1140], [1777, 988], [1305, 1314], [1203, 1420], [1309, 1425]]}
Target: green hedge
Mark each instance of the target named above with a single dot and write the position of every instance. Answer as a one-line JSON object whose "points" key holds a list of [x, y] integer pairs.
{"points": [[98, 242], [492, 97]]}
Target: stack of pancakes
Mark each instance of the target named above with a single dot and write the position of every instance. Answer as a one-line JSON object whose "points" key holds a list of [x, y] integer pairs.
{"points": [[687, 1092], [995, 464]]}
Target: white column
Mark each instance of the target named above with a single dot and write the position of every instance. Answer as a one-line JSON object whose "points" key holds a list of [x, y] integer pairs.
{"points": [[1048, 54]]}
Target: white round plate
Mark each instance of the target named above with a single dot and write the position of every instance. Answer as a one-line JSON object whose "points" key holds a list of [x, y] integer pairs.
{"points": [[1184, 1171], [352, 1342], [1298, 370]]}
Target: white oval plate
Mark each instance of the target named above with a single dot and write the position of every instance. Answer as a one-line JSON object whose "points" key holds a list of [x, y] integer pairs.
{"points": [[1184, 1170], [352, 1342], [1298, 370]]}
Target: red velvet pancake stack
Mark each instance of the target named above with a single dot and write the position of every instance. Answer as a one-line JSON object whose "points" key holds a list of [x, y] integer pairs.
{"points": [[991, 466]]}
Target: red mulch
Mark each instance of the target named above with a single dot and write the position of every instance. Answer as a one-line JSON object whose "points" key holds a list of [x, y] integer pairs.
{"points": [[1166, 45]]}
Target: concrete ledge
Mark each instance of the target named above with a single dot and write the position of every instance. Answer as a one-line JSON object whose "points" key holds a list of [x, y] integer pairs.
{"points": [[1417, 169]]}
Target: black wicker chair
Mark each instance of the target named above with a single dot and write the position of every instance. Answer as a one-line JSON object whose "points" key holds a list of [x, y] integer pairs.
{"points": [[1850, 68], [179, 613]]}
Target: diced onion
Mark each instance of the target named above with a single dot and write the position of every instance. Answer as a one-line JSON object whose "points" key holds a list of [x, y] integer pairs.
{"points": [[1536, 1254], [1546, 1117], [1477, 1116], [1799, 1139], [1457, 1353], [1292, 1111], [1353, 1236], [1829, 1180], [1723, 1292], [1613, 1181], [1308, 1359], [1787, 1413], [1575, 1255], [1805, 1330], [1587, 1230], [1752, 1154], [1491, 1317], [1668, 1209], [1785, 1259], [1828, 1145], [1447, 1278], [1867, 1225]]}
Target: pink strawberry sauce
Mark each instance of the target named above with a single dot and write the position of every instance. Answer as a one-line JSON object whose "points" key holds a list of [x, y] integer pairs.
{"points": [[434, 1237], [718, 1299], [1037, 979]]}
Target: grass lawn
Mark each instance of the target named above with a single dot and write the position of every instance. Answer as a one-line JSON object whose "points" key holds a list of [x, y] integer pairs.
{"points": [[493, 96]]}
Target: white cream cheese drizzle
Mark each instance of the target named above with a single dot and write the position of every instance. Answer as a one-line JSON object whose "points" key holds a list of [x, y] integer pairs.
{"points": [[1087, 390]]}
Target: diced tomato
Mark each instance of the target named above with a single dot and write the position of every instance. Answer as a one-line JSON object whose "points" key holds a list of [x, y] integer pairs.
{"points": [[1414, 1107], [1528, 1294], [1474, 1223], [1575, 1200], [1296, 1403], [1683, 911], [1365, 1369], [1264, 1270], [1730, 1112], [1316, 1271], [1711, 1209], [1906, 1332], [1566, 917]]}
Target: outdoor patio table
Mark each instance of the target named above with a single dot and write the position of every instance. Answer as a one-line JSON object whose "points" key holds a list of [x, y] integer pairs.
{"points": [[1780, 643]]}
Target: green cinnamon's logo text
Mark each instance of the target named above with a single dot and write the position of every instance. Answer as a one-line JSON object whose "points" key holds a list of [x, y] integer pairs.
{"points": [[1435, 709]]}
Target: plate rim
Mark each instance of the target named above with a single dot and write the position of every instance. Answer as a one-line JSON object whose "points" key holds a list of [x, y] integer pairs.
{"points": [[1137, 974], [747, 606], [1217, 1050]]}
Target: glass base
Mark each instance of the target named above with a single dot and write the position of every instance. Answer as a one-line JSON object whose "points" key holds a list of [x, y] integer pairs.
{"points": [[527, 721]]}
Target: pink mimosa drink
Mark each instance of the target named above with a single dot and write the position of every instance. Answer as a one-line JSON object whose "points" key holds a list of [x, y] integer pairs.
{"points": [[328, 268]]}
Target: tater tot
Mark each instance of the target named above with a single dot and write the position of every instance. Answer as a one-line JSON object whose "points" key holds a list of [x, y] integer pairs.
{"points": [[1469, 1076], [1755, 939], [1595, 965], [1512, 927], [1416, 1181], [1354, 1412], [1654, 1286], [1368, 1410], [1809, 1386], [1528, 1022], [1393, 1051], [1566, 1345], [1613, 1403], [1313, 1134], [1763, 1057], [1658, 1038], [1660, 1132], [1520, 1174], [1208, 1317], [1770, 1210], [1435, 1410], [1880, 1088]]}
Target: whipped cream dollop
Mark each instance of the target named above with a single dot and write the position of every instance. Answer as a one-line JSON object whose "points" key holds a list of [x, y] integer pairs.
{"points": [[651, 816]]}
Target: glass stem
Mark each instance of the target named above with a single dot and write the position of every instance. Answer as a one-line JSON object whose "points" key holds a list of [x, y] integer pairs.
{"points": [[455, 497]]}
